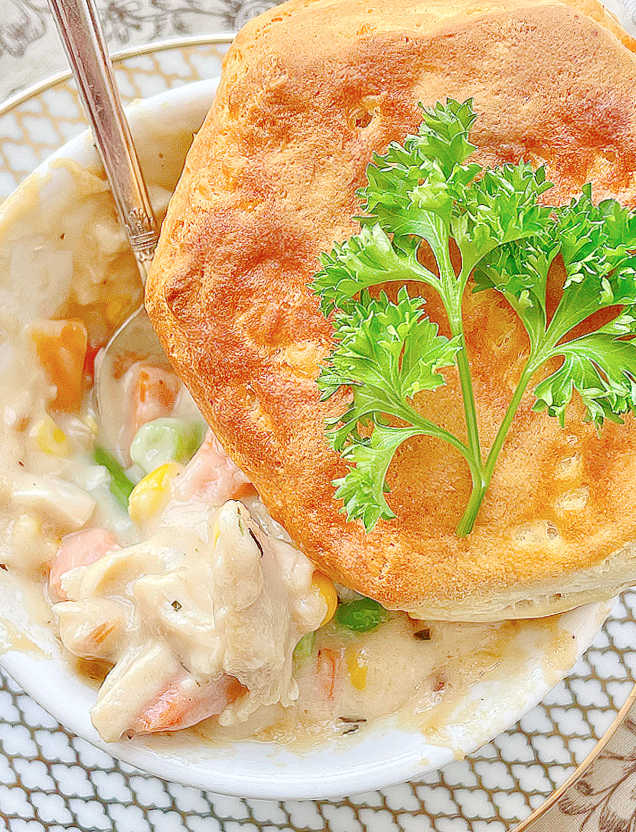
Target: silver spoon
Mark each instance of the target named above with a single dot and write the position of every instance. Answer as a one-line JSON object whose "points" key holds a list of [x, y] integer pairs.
{"points": [[83, 39]]}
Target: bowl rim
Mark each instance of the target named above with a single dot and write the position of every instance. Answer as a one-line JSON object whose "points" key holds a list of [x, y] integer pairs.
{"points": [[217, 773], [181, 42], [281, 780]]}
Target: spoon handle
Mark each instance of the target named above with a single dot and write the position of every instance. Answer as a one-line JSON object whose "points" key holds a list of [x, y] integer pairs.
{"points": [[83, 40]]}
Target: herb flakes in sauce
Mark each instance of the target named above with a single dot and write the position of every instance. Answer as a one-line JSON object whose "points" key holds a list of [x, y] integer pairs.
{"points": [[256, 540], [351, 724]]}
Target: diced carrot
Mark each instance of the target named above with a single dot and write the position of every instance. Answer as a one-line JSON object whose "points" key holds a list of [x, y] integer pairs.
{"points": [[89, 361], [78, 549], [211, 475], [154, 394], [61, 350], [180, 707], [244, 489], [326, 666]]}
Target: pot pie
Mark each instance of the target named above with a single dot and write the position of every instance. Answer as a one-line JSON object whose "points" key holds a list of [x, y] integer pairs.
{"points": [[167, 576]]}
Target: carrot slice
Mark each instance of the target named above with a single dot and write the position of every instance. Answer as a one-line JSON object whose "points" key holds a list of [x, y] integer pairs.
{"points": [[89, 361], [61, 349], [326, 665], [78, 549], [154, 395], [211, 475], [180, 707]]}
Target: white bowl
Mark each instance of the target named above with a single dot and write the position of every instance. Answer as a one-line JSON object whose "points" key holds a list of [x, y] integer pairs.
{"points": [[383, 754]]}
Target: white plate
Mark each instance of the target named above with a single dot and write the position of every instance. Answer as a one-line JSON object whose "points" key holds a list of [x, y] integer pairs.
{"points": [[382, 755]]}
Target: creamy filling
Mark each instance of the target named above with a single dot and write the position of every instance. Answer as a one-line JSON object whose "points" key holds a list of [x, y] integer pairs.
{"points": [[212, 597]]}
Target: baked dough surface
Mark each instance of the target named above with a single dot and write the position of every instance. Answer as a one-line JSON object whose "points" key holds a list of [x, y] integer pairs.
{"points": [[309, 90]]}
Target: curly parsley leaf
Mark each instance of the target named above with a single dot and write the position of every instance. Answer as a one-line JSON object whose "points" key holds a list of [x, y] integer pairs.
{"points": [[362, 490], [499, 207], [600, 265], [602, 369], [443, 134], [519, 271], [601, 273], [365, 260], [596, 240], [385, 353], [596, 244], [410, 188], [426, 191]]}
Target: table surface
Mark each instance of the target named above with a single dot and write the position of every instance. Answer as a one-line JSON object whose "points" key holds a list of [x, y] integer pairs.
{"points": [[51, 780]]}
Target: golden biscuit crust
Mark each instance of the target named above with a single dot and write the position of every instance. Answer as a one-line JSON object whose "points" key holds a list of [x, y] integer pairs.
{"points": [[309, 90]]}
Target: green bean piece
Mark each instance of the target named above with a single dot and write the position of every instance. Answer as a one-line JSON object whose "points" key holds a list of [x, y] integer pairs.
{"points": [[120, 485]]}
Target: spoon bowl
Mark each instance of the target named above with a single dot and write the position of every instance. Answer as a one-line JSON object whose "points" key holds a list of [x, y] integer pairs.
{"points": [[135, 337]]}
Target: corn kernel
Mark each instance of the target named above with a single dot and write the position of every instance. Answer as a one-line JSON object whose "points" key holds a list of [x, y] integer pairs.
{"points": [[151, 493], [327, 590], [356, 661], [50, 438]]}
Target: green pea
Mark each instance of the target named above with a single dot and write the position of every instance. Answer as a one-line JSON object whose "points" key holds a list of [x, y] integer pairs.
{"points": [[361, 615], [165, 440], [305, 647], [120, 485]]}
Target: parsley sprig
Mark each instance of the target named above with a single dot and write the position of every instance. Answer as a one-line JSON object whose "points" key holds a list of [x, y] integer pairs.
{"points": [[425, 191]]}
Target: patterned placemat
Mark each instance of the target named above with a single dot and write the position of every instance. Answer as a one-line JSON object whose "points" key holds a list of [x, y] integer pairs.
{"points": [[52, 780], [29, 45]]}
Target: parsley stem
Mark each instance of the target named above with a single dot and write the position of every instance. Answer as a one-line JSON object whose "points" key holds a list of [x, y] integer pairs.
{"points": [[465, 378], [497, 445], [467, 522], [452, 295], [470, 410], [431, 429], [452, 298], [465, 525]]}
